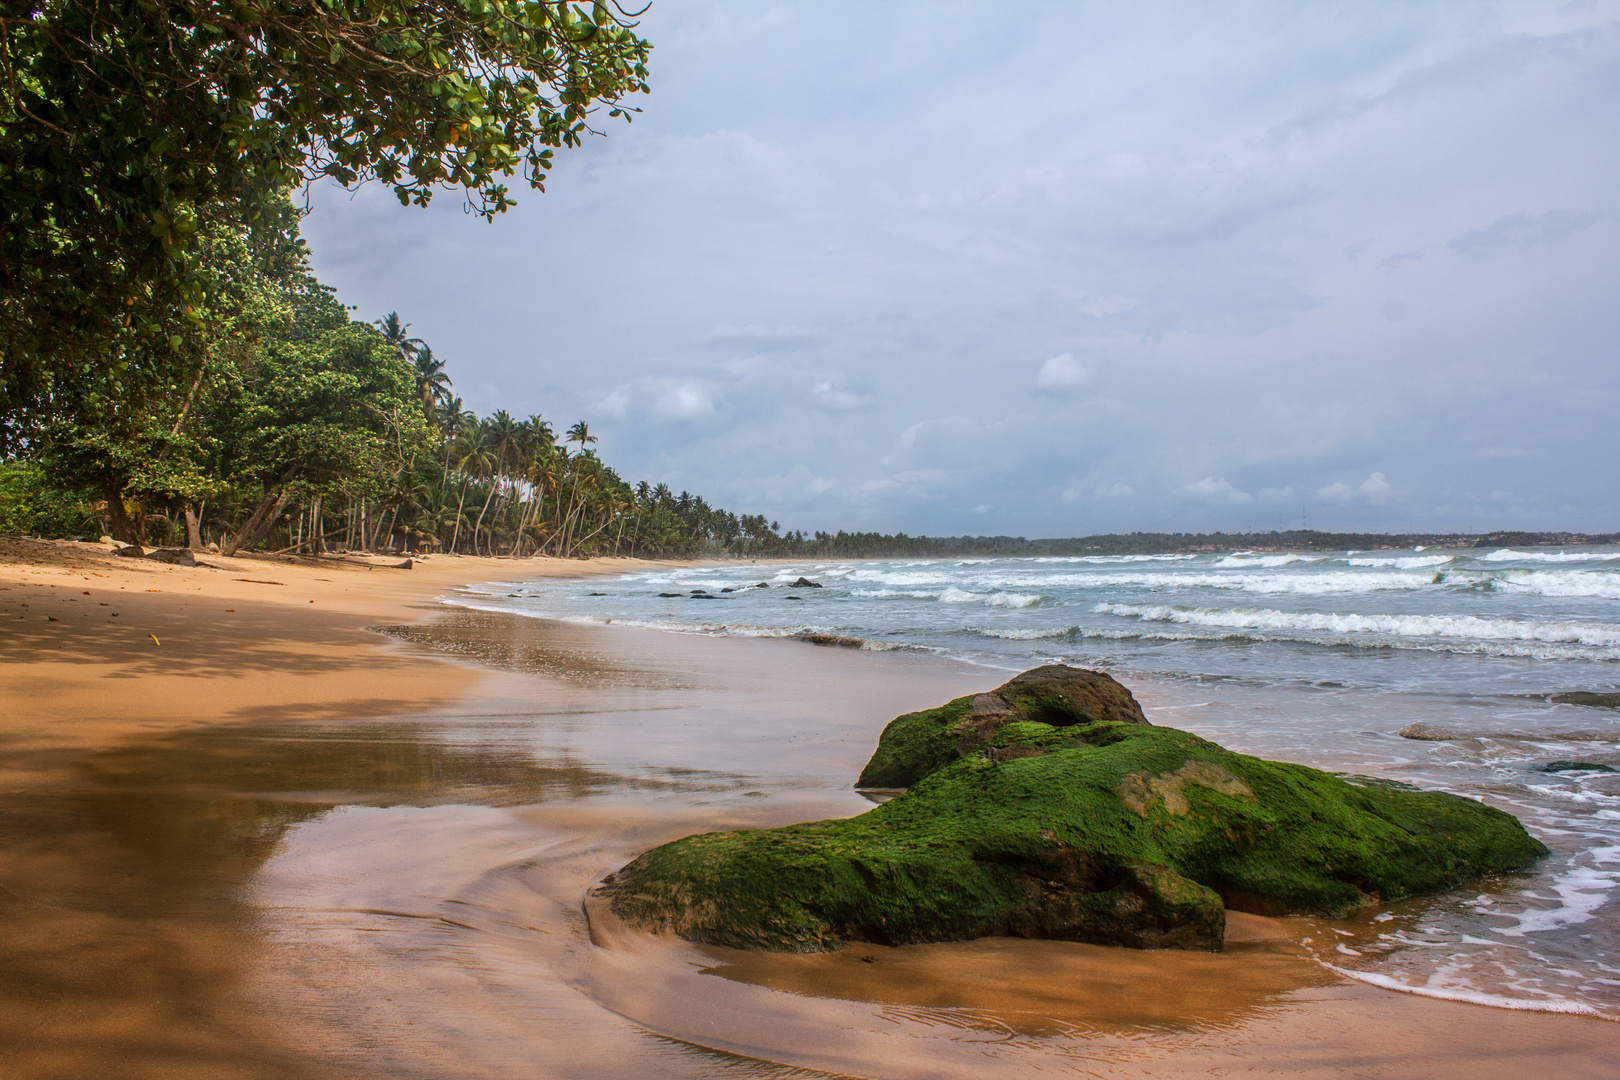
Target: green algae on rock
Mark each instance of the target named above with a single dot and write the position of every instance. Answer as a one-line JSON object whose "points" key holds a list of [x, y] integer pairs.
{"points": [[1051, 809]]}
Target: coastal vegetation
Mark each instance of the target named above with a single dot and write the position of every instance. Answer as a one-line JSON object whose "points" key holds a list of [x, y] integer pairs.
{"points": [[1050, 808]]}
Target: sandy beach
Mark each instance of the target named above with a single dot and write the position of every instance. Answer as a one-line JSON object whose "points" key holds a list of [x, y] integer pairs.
{"points": [[276, 818]]}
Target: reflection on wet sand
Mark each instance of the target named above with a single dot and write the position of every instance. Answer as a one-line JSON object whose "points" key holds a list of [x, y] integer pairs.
{"points": [[1047, 987], [534, 647]]}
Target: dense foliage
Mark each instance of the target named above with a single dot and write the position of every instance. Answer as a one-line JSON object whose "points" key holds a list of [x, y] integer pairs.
{"points": [[132, 130]]}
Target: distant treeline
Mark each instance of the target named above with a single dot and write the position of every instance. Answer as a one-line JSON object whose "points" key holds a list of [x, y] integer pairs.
{"points": [[899, 545]]}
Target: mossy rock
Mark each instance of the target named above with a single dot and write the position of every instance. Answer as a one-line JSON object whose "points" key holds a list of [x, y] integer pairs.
{"points": [[914, 745], [1108, 830]]}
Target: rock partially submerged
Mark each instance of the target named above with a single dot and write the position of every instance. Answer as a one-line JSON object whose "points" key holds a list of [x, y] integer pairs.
{"points": [[1050, 808]]}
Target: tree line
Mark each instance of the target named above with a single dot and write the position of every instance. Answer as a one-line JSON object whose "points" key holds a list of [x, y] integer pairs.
{"points": [[278, 422]]}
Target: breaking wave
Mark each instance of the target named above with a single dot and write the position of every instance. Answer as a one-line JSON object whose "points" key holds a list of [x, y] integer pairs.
{"points": [[1463, 627], [1509, 555]]}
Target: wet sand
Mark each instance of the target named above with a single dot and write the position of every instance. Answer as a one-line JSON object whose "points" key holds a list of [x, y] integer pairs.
{"points": [[278, 844]]}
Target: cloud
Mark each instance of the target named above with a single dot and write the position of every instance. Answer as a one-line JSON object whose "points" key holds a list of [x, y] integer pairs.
{"points": [[1219, 492], [1282, 494], [1521, 230], [1061, 376], [761, 339], [683, 403], [830, 396], [616, 406], [1117, 491], [1374, 491]]}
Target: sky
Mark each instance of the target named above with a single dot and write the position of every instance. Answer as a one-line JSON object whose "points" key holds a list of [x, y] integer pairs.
{"points": [[1057, 269]]}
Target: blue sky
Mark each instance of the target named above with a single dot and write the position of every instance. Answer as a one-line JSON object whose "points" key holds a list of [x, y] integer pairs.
{"points": [[1053, 269]]}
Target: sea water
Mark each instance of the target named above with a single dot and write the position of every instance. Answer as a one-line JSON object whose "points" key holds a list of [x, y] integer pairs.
{"points": [[1495, 664]]}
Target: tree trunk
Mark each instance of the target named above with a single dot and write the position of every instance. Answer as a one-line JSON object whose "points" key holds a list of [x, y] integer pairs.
{"points": [[480, 524], [455, 537], [122, 527], [193, 536], [269, 509]]}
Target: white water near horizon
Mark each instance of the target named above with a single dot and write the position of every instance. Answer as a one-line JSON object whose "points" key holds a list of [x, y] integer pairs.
{"points": [[1321, 658]]}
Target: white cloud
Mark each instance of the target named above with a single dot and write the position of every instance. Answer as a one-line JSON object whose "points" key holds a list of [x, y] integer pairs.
{"points": [[830, 396], [683, 403], [1062, 376], [1282, 494], [1374, 491], [1217, 491], [616, 406]]}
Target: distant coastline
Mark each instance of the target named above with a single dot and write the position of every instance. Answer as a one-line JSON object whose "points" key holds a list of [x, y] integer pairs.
{"points": [[899, 545]]}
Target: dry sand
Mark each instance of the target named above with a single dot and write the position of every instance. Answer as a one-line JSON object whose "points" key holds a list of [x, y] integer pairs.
{"points": [[242, 836]]}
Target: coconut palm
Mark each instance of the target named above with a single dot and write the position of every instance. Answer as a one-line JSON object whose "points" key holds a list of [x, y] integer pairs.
{"points": [[395, 333], [581, 433], [432, 381]]}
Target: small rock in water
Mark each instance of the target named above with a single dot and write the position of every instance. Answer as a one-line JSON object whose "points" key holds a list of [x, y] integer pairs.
{"points": [[728, 588], [763, 585], [596, 594], [790, 596], [1587, 698], [805, 583], [1575, 766], [835, 640], [670, 595]]}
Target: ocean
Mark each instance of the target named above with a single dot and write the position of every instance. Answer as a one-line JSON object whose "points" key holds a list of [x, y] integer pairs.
{"points": [[1493, 674]]}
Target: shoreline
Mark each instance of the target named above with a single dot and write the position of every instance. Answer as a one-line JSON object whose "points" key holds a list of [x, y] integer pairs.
{"points": [[99, 702]]}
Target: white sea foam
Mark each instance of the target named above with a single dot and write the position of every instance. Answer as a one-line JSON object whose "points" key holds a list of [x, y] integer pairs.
{"points": [[1249, 558], [1110, 559], [1472, 996], [1028, 634], [1467, 627], [1013, 600], [1579, 891], [1509, 555], [1593, 583], [1402, 562], [888, 594]]}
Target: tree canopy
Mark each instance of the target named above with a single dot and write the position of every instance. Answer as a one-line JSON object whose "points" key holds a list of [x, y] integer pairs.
{"points": [[125, 125]]}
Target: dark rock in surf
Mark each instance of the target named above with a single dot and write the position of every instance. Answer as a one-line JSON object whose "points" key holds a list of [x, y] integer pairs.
{"points": [[1575, 766], [1050, 808], [834, 640], [1588, 698], [805, 583]]}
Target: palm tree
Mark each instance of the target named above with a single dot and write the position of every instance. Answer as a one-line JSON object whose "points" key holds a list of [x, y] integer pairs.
{"points": [[502, 429], [581, 433], [393, 332], [432, 381], [474, 456]]}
